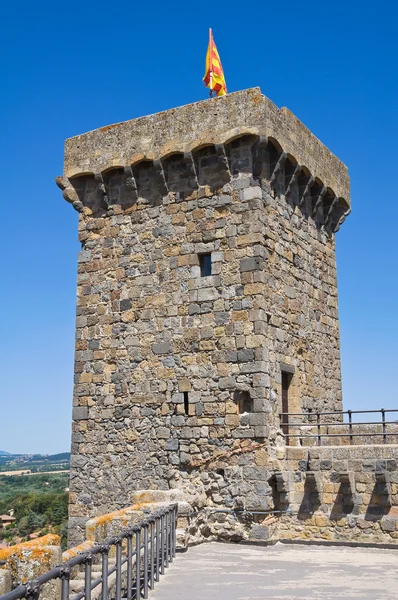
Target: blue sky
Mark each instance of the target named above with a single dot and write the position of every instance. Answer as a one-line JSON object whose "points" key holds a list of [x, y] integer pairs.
{"points": [[69, 68]]}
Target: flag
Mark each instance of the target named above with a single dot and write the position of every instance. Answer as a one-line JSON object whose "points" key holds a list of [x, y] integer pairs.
{"points": [[214, 75]]}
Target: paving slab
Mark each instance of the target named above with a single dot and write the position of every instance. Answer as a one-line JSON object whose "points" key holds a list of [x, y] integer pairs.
{"points": [[282, 572]]}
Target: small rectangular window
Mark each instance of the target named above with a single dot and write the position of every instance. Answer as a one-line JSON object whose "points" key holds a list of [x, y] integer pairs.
{"points": [[186, 403], [244, 401], [286, 379], [205, 264]]}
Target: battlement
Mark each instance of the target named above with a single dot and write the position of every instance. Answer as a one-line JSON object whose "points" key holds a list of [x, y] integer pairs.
{"points": [[151, 156]]}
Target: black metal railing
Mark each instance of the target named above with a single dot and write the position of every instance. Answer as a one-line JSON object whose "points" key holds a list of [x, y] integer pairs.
{"points": [[321, 427], [141, 554]]}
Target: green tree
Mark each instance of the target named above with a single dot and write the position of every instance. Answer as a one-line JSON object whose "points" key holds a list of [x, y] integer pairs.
{"points": [[23, 526]]}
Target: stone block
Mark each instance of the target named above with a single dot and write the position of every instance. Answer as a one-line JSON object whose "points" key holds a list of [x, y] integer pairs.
{"points": [[207, 294], [261, 431], [258, 419], [184, 385], [251, 264], [226, 383], [246, 355], [388, 524], [251, 193], [259, 532], [253, 473], [172, 444], [80, 413], [78, 461], [163, 433], [369, 465], [162, 348], [125, 305], [243, 433], [84, 256], [325, 465], [321, 521], [194, 309]]}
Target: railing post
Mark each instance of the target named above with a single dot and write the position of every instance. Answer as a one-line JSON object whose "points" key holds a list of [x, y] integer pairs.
{"points": [[175, 529], [162, 543], [104, 572], [151, 521], [167, 521], [118, 569], [145, 528], [138, 563], [318, 421], [383, 416], [65, 578], [33, 590], [171, 533], [130, 567], [157, 572], [87, 576], [350, 425]]}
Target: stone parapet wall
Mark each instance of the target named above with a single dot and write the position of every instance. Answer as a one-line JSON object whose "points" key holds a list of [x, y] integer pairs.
{"points": [[336, 494], [214, 121], [26, 561], [340, 493]]}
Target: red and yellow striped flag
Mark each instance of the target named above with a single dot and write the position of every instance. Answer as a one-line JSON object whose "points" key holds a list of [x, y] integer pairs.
{"points": [[214, 75]]}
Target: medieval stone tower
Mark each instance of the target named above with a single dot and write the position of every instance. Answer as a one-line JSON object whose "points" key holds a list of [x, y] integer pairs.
{"points": [[207, 299]]}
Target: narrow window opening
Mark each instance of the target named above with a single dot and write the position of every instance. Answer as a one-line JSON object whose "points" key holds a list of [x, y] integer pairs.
{"points": [[286, 379], [186, 402], [205, 264], [244, 401]]}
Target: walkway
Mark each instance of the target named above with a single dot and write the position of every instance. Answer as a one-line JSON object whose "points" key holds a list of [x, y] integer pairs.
{"points": [[282, 572]]}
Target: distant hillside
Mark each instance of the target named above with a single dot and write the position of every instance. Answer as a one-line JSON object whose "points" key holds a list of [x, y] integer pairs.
{"points": [[34, 462], [4, 453]]}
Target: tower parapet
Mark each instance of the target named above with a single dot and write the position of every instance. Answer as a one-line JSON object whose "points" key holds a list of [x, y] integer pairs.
{"points": [[164, 143], [207, 298]]}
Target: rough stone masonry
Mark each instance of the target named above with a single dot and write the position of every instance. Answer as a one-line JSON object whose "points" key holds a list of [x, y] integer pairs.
{"points": [[207, 292]]}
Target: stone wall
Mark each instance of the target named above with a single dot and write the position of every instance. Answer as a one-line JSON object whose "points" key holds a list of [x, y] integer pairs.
{"points": [[335, 494], [177, 371], [339, 493]]}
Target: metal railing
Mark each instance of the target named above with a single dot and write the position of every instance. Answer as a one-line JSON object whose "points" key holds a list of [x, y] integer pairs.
{"points": [[142, 553], [314, 420]]}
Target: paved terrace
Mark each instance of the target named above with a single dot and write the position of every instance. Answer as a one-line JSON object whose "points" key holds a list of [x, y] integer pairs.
{"points": [[281, 572]]}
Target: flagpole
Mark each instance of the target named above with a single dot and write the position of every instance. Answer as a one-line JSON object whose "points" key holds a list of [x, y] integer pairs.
{"points": [[210, 61]]}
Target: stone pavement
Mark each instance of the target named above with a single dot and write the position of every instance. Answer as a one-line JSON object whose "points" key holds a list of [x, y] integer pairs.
{"points": [[282, 572]]}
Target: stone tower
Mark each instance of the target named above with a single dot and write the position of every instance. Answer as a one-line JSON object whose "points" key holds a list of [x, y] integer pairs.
{"points": [[207, 298]]}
